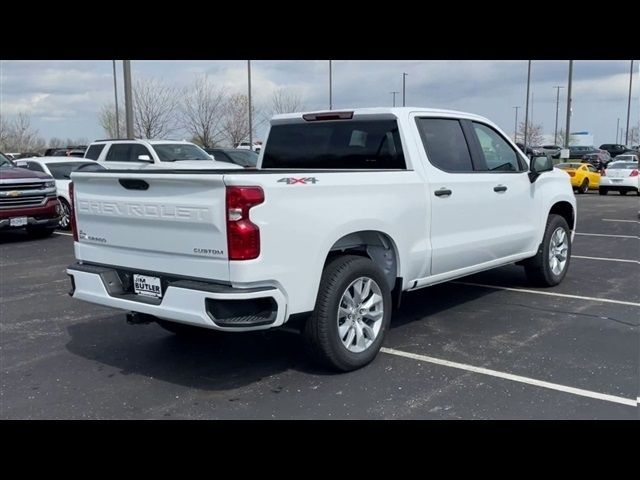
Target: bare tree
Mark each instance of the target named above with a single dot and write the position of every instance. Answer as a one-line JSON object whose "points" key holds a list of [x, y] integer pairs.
{"points": [[285, 101], [18, 135], [107, 118], [534, 134], [203, 108], [235, 126], [55, 142], [634, 135], [156, 109]]}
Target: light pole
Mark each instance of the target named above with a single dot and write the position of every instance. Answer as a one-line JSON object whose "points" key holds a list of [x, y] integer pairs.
{"points": [[555, 130], [115, 93], [515, 128], [567, 133], [249, 98], [618, 130], [404, 89], [330, 86], [526, 108], [394, 97], [626, 135], [128, 97]]}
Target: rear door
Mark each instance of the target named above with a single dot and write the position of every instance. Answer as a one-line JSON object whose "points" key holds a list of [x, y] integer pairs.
{"points": [[168, 223]]}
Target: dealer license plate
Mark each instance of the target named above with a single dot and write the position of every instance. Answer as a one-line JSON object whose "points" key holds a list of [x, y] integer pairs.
{"points": [[18, 222], [146, 285]]}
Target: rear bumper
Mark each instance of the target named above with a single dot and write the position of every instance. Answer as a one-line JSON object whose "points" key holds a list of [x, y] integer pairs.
{"points": [[630, 183], [194, 302]]}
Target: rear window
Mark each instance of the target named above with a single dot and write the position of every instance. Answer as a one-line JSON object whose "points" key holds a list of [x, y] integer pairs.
{"points": [[357, 144], [93, 152], [567, 166], [623, 165]]}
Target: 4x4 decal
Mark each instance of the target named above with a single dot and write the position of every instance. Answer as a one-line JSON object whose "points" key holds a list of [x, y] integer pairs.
{"points": [[293, 181]]}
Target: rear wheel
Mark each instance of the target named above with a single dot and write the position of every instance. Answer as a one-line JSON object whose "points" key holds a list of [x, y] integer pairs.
{"points": [[550, 264], [352, 313], [603, 191], [584, 188]]}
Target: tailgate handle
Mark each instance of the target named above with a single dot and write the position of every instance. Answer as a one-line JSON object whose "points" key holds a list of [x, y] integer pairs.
{"points": [[133, 184]]}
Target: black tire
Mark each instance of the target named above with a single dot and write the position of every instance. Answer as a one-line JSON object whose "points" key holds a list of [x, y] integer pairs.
{"points": [[66, 211], [622, 192], [584, 188], [321, 329], [603, 191], [40, 232], [537, 268], [183, 329]]}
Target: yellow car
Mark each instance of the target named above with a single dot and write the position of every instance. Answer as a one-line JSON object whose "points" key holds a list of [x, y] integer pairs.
{"points": [[583, 176]]}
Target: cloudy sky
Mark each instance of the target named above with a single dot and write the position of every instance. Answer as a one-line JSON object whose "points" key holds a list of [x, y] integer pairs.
{"points": [[64, 97]]}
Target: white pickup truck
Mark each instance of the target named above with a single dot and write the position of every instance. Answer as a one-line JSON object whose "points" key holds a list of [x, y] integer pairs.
{"points": [[345, 211]]}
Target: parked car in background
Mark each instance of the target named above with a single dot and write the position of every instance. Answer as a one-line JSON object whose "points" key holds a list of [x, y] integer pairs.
{"points": [[628, 157], [60, 169], [135, 154], [598, 159], [27, 200], [257, 146], [620, 176], [580, 151], [583, 176], [553, 150], [531, 151], [614, 149], [244, 158]]}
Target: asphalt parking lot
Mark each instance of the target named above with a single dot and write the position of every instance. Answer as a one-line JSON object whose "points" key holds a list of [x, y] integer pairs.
{"points": [[460, 350]]}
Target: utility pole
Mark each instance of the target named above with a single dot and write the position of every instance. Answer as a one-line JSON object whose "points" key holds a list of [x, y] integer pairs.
{"points": [[128, 97], [515, 128], [555, 130], [404, 89], [115, 93], [617, 130], [626, 136], [394, 98], [567, 133], [526, 108], [249, 98], [330, 86]]}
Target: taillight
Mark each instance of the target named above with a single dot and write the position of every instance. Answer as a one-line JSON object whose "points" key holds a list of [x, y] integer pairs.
{"points": [[634, 173], [74, 225], [243, 236]]}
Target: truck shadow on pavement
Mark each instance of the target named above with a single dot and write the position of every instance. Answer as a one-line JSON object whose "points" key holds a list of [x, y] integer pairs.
{"points": [[221, 361]]}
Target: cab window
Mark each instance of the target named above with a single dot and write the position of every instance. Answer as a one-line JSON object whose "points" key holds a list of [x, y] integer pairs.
{"points": [[498, 154]]}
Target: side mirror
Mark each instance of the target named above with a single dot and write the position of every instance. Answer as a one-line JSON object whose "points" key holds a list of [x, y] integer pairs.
{"points": [[539, 164], [144, 158], [212, 157]]}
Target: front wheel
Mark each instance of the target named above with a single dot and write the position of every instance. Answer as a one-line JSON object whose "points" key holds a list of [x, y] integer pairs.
{"points": [[551, 263], [603, 191], [65, 216], [352, 312]]}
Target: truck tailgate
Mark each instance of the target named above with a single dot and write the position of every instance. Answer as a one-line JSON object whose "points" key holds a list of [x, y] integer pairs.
{"points": [[170, 224]]}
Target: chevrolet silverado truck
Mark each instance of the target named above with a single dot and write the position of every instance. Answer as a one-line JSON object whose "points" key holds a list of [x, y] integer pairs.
{"points": [[27, 200], [345, 211]]}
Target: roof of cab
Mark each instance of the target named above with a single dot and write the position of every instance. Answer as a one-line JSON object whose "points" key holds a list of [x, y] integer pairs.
{"points": [[397, 111]]}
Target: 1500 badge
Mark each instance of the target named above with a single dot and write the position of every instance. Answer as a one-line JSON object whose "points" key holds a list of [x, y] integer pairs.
{"points": [[293, 181]]}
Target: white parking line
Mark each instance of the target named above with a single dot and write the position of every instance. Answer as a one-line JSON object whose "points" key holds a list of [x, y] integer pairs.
{"points": [[606, 259], [603, 235], [63, 233], [616, 220], [516, 378], [552, 294]]}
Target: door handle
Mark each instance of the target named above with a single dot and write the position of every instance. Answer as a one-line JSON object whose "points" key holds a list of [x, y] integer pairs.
{"points": [[499, 188], [443, 192]]}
